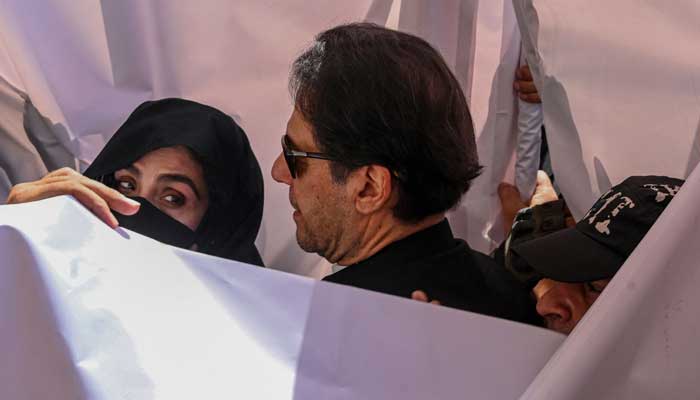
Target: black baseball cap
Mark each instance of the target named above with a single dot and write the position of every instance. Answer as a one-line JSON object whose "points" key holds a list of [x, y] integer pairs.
{"points": [[597, 246]]}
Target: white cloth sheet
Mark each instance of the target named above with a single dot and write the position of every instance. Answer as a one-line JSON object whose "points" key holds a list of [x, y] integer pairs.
{"points": [[529, 147], [87, 312], [620, 88], [493, 105]]}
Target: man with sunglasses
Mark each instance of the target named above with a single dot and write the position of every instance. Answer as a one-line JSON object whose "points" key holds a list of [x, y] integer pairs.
{"points": [[379, 146]]}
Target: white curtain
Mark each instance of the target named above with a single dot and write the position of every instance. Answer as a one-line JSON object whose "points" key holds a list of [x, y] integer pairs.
{"points": [[88, 312]]}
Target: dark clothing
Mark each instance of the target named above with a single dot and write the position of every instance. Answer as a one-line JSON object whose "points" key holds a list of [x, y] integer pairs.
{"points": [[232, 220], [444, 267]]}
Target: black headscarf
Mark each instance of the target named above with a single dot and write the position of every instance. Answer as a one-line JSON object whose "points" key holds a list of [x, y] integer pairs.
{"points": [[231, 223]]}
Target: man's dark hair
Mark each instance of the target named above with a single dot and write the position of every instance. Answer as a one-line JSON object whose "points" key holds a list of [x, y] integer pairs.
{"points": [[379, 96]]}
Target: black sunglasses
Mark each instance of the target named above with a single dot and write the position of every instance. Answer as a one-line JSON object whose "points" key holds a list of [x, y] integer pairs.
{"points": [[291, 155]]}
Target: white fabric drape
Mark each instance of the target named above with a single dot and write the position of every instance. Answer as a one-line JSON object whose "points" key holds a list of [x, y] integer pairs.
{"points": [[494, 111], [620, 87], [88, 312]]}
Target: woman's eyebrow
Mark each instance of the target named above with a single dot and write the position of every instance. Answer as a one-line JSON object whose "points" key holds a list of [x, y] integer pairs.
{"points": [[180, 178], [133, 169]]}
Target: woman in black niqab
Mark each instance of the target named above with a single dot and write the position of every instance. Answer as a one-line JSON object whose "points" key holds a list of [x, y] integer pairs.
{"points": [[231, 222]]}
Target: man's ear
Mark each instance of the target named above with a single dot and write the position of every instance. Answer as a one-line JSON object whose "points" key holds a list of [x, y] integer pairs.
{"points": [[374, 188]]}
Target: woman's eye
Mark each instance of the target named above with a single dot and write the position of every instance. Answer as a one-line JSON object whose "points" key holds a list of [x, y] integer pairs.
{"points": [[125, 185], [174, 199]]}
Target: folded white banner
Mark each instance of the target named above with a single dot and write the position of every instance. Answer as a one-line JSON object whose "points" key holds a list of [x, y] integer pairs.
{"points": [[87, 312]]}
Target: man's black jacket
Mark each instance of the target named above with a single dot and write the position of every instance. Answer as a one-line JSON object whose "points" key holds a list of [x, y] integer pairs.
{"points": [[448, 270]]}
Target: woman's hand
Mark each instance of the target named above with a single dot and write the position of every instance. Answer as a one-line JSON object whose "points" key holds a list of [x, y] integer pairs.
{"points": [[98, 198]]}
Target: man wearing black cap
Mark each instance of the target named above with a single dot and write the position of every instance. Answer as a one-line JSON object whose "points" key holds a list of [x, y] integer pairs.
{"points": [[579, 261]]}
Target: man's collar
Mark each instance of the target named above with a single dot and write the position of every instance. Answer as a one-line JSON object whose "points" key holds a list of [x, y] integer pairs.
{"points": [[426, 242]]}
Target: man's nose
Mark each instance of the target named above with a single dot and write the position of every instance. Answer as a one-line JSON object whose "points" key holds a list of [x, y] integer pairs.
{"points": [[556, 306], [280, 171]]}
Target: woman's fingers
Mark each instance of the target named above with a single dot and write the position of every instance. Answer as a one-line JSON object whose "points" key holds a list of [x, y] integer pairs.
{"points": [[116, 201], [94, 195], [16, 194]]}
